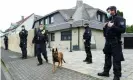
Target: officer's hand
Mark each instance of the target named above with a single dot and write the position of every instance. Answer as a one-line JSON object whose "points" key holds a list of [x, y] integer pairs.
{"points": [[43, 31], [84, 40], [110, 24], [22, 31], [46, 43]]}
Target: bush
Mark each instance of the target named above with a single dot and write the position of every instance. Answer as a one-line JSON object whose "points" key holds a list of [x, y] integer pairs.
{"points": [[129, 29]]}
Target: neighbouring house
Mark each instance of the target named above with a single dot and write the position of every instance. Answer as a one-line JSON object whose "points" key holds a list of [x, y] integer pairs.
{"points": [[58, 24], [1, 33], [27, 22]]}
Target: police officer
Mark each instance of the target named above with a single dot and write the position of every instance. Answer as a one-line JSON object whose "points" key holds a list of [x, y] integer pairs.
{"points": [[41, 39], [23, 42], [87, 43], [113, 29], [6, 42]]}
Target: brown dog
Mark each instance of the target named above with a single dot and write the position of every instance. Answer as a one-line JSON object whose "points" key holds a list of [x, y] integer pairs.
{"points": [[57, 57]]}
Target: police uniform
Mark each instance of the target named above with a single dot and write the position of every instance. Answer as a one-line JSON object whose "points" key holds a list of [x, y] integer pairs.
{"points": [[113, 46], [40, 40], [6, 42], [87, 43], [23, 42]]}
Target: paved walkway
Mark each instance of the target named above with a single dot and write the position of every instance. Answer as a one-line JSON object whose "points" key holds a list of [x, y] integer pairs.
{"points": [[75, 62], [27, 69]]}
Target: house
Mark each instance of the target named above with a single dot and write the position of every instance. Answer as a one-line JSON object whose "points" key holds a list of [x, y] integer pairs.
{"points": [[1, 33], [66, 26], [27, 22]]}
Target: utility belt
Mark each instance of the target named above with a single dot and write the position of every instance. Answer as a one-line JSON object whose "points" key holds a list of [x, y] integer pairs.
{"points": [[113, 41]]}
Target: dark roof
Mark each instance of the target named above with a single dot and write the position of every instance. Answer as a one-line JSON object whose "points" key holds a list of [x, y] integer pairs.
{"points": [[87, 16], [80, 23]]}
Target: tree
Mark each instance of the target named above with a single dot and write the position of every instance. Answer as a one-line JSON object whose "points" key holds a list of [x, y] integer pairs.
{"points": [[129, 29], [120, 13]]}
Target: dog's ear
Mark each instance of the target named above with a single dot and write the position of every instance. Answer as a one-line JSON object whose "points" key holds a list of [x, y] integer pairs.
{"points": [[56, 49], [52, 49]]}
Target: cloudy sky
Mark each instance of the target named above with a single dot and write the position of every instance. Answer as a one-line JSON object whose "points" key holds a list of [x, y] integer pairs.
{"points": [[12, 10]]}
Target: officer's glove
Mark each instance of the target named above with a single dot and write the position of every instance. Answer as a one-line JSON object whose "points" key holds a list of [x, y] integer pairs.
{"points": [[43, 31], [46, 43], [110, 24], [84, 40], [22, 31]]}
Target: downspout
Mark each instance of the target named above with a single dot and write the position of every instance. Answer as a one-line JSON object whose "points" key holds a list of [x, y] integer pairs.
{"points": [[49, 39], [78, 38]]}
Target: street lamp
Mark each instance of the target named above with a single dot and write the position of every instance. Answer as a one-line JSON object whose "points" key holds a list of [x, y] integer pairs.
{"points": [[71, 22]]}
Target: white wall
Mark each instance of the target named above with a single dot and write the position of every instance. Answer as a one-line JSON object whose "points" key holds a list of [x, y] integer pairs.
{"points": [[97, 38], [61, 45], [14, 41], [28, 24]]}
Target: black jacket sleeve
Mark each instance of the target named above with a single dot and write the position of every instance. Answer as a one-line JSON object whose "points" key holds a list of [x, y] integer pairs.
{"points": [[104, 30], [46, 37], [120, 27]]}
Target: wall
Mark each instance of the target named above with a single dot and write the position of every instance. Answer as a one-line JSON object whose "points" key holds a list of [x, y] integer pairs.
{"points": [[97, 38], [61, 45], [14, 40], [28, 24]]}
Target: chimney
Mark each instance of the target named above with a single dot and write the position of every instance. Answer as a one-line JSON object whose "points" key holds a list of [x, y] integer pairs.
{"points": [[22, 17], [79, 3]]}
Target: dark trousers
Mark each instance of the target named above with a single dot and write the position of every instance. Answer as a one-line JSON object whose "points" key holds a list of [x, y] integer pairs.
{"points": [[42, 50], [24, 52], [88, 52], [113, 54], [116, 65], [6, 46]]}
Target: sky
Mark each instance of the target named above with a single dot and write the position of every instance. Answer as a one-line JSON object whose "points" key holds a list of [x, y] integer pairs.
{"points": [[12, 10]]}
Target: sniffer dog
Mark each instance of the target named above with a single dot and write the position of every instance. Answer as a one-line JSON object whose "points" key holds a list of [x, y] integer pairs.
{"points": [[57, 57]]}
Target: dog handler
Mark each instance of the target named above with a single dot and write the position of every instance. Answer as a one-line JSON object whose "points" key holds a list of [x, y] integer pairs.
{"points": [[41, 39]]}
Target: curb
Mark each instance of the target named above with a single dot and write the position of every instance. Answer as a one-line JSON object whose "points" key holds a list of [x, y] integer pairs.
{"points": [[6, 72]]}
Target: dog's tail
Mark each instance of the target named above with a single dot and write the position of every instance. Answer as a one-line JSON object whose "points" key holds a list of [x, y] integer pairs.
{"points": [[64, 60]]}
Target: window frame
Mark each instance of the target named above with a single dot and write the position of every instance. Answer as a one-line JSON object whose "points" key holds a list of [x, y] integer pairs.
{"points": [[66, 35]]}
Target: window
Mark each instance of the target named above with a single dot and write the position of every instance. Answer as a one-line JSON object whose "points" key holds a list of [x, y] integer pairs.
{"points": [[51, 20], [42, 22], [65, 35], [46, 21], [52, 37], [100, 16]]}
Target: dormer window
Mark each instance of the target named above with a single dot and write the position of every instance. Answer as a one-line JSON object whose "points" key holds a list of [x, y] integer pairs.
{"points": [[46, 21]]}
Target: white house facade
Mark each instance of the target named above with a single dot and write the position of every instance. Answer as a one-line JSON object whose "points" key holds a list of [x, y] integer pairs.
{"points": [[68, 24]]}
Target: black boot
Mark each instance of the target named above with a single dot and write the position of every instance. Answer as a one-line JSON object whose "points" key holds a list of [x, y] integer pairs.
{"points": [[116, 78], [46, 60], [89, 62], [85, 60], [39, 64], [103, 74]]}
